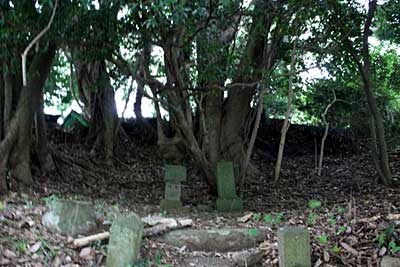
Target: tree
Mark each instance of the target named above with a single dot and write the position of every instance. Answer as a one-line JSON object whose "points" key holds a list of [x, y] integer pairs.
{"points": [[22, 96], [229, 67], [361, 58]]}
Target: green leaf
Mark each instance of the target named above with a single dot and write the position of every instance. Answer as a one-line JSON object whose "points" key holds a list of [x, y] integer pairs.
{"points": [[314, 204], [1, 206], [253, 232], [332, 221], [278, 218], [323, 239], [342, 229], [268, 218], [341, 210], [393, 247], [256, 217], [381, 240], [312, 218], [336, 249]]}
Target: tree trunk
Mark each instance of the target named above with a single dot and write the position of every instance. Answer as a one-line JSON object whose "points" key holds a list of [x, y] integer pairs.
{"points": [[44, 157], [373, 107], [364, 68], [1, 105], [96, 92], [15, 147], [223, 123], [213, 116], [137, 107], [8, 100], [237, 110]]}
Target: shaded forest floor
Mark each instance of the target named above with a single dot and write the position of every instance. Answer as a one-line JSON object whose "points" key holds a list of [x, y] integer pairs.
{"points": [[355, 211]]}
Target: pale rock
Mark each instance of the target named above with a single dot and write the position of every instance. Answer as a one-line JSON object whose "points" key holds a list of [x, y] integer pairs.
{"points": [[9, 254], [86, 253]]}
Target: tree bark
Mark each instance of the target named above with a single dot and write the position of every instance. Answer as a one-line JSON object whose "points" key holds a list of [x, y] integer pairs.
{"points": [[137, 107], [15, 147], [1, 104], [44, 157], [8, 100], [97, 93]]}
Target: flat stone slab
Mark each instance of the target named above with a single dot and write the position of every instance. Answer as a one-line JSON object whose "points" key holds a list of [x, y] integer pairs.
{"points": [[388, 261], [125, 240], [218, 240], [70, 217], [247, 258], [198, 261], [294, 247]]}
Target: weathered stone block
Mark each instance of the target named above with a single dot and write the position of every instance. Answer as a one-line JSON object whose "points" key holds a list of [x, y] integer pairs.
{"points": [[167, 204], [229, 205], [294, 247], [226, 180], [175, 173], [70, 217], [125, 240], [217, 240], [172, 191], [388, 261]]}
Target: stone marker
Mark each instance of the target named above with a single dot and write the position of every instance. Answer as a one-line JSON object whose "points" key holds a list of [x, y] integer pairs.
{"points": [[294, 247], [227, 200], [126, 235], [388, 261], [70, 217], [174, 175], [217, 240]]}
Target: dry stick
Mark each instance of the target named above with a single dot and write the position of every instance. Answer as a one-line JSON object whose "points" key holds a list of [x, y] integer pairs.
{"points": [[286, 123], [147, 232], [33, 42], [253, 137], [321, 153], [315, 154]]}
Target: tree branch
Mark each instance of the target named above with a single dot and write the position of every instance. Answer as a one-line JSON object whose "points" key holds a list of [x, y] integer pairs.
{"points": [[33, 42]]}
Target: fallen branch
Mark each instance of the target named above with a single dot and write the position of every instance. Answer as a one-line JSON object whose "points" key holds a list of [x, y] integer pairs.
{"points": [[161, 226], [81, 242]]}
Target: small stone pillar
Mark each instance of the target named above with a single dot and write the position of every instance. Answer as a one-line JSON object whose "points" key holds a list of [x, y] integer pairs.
{"points": [[388, 261], [294, 247], [125, 240], [227, 200], [174, 175]]}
